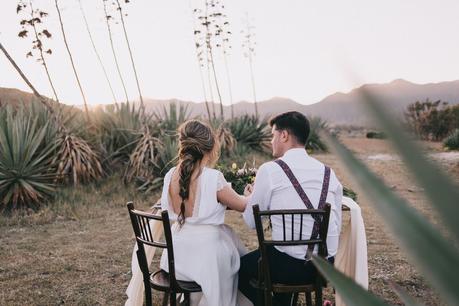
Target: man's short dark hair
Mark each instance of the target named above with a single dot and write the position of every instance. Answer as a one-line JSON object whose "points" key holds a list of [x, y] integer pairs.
{"points": [[295, 123]]}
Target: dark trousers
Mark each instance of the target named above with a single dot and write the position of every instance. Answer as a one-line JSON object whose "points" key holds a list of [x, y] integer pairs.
{"points": [[284, 269]]}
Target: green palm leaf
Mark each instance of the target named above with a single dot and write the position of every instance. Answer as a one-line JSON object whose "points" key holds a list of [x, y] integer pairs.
{"points": [[351, 292], [443, 193], [433, 254]]}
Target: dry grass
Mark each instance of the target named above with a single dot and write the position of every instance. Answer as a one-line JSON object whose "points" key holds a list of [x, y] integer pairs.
{"points": [[77, 250]]}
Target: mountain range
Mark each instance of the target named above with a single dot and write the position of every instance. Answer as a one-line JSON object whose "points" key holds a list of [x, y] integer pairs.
{"points": [[338, 108]]}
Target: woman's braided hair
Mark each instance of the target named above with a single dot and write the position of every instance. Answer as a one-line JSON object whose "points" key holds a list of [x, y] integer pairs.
{"points": [[195, 140]]}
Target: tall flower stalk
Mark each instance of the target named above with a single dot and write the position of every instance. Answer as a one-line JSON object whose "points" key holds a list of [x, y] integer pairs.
{"points": [[120, 10], [115, 57], [199, 42], [248, 46], [71, 60], [83, 14], [34, 20]]}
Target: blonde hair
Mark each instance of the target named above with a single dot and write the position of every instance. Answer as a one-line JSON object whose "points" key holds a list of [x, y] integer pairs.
{"points": [[196, 139]]}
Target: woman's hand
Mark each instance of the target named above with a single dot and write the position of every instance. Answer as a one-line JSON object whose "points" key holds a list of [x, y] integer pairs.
{"points": [[248, 190]]}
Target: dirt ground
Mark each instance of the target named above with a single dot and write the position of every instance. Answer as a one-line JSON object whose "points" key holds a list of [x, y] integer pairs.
{"points": [[77, 251]]}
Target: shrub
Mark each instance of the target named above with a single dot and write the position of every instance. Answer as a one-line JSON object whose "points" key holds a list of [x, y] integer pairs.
{"points": [[452, 142], [165, 159], [226, 141], [26, 177], [118, 130], [251, 132], [432, 120], [314, 142]]}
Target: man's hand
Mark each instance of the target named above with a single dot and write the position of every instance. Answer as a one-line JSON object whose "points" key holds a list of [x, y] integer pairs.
{"points": [[248, 190]]}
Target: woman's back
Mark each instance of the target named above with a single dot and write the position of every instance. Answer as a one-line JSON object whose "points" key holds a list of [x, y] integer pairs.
{"points": [[202, 206]]}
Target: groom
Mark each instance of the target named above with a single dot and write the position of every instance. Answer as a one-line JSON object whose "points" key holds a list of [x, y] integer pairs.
{"points": [[273, 189]]}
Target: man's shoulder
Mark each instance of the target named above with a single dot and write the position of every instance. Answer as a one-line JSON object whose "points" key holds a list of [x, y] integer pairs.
{"points": [[268, 166]]}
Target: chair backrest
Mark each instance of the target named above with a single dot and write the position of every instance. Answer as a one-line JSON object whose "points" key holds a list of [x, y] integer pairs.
{"points": [[144, 236], [289, 217]]}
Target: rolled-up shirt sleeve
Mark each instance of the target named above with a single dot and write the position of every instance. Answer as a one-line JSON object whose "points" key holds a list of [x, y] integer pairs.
{"points": [[261, 195]]}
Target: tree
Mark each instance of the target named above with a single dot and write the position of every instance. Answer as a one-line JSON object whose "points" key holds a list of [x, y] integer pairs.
{"points": [[34, 21], [71, 60]]}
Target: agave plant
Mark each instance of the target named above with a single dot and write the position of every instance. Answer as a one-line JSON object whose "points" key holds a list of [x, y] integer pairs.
{"points": [[452, 141], [118, 130], [170, 120], [251, 132], [436, 256], [165, 160], [143, 157], [76, 161], [226, 140], [25, 159], [314, 142]]}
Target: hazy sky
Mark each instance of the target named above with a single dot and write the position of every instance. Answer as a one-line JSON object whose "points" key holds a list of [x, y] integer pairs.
{"points": [[304, 48]]}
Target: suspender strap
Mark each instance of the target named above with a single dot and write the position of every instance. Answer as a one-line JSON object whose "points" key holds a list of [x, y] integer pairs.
{"points": [[305, 199]]}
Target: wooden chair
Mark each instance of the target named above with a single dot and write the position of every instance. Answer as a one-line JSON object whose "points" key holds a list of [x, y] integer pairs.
{"points": [[263, 283], [159, 280]]}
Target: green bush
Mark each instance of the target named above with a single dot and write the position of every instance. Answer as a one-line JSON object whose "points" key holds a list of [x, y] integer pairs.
{"points": [[433, 248], [314, 142], [26, 175], [251, 132], [432, 120], [452, 142]]}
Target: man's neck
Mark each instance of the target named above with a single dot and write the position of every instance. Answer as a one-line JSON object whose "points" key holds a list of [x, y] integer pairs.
{"points": [[293, 147]]}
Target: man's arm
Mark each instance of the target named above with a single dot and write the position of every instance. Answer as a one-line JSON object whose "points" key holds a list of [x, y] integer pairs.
{"points": [[261, 194]]}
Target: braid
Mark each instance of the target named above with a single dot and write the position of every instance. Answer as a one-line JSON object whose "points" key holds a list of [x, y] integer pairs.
{"points": [[196, 139], [187, 167]]}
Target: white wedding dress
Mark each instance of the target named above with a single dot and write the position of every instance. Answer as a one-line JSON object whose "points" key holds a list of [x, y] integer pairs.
{"points": [[205, 250]]}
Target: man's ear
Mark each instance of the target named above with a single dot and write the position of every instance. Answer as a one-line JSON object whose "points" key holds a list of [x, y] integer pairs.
{"points": [[285, 136]]}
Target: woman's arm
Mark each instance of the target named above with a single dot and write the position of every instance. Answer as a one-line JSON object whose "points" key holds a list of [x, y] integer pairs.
{"points": [[227, 196]]}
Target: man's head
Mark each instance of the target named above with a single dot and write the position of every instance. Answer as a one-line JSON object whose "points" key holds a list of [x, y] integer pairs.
{"points": [[289, 130]]}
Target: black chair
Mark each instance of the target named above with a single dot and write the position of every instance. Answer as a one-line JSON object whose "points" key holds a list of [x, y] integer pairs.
{"points": [[263, 283], [159, 280]]}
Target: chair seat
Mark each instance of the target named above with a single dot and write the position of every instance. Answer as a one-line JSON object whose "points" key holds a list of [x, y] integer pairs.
{"points": [[159, 280], [283, 288]]}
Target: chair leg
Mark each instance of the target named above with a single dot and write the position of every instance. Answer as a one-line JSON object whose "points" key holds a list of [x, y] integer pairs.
{"points": [[173, 298], [186, 301], [295, 299], [319, 296], [148, 299], [268, 298], [166, 299], [308, 298]]}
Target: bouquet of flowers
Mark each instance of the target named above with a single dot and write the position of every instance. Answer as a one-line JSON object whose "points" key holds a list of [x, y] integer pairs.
{"points": [[238, 177]]}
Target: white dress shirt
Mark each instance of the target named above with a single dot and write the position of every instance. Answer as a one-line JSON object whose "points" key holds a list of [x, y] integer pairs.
{"points": [[273, 190]]}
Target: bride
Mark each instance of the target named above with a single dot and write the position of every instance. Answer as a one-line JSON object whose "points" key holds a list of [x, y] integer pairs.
{"points": [[196, 196]]}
